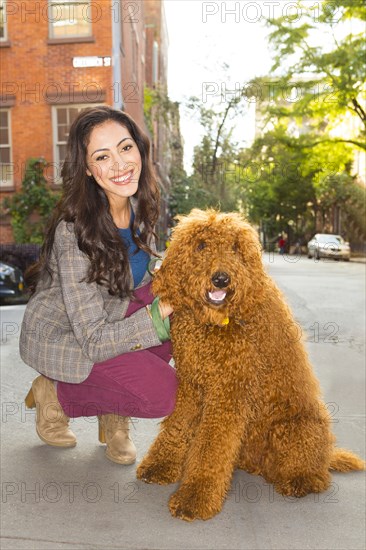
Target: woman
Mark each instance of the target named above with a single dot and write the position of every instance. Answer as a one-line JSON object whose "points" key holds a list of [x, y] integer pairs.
{"points": [[91, 327]]}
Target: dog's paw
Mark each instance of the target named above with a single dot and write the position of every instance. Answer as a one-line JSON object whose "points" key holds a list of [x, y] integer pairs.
{"points": [[195, 501], [301, 486], [160, 473]]}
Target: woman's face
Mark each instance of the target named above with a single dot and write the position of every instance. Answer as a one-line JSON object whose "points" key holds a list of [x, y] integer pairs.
{"points": [[113, 159]]}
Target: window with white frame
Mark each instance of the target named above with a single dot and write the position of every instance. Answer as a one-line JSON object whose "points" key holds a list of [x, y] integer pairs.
{"points": [[6, 166], [62, 118], [3, 29], [69, 18]]}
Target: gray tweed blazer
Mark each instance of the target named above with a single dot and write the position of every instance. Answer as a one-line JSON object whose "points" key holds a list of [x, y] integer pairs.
{"points": [[69, 325]]}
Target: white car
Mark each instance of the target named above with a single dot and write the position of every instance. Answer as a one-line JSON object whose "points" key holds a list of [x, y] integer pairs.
{"points": [[325, 245]]}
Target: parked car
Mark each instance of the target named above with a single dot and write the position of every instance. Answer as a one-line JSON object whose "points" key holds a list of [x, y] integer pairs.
{"points": [[324, 245], [11, 283]]}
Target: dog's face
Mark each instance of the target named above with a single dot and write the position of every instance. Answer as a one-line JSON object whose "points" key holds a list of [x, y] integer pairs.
{"points": [[213, 266]]}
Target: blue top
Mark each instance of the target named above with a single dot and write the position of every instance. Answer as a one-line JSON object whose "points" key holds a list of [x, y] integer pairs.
{"points": [[139, 259]]}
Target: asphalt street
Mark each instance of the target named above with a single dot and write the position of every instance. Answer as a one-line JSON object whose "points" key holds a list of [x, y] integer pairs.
{"points": [[76, 499]]}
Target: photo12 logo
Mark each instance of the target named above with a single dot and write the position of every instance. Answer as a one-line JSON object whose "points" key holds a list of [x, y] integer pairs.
{"points": [[253, 12], [53, 492], [253, 92], [53, 12]]}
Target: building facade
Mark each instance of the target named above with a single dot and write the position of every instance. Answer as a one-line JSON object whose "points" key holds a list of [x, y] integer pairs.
{"points": [[157, 43], [58, 57]]}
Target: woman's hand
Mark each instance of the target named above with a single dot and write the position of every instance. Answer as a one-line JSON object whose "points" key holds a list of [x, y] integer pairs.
{"points": [[165, 309]]}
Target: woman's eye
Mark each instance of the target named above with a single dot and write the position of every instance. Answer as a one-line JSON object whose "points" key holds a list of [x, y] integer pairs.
{"points": [[126, 148], [102, 157], [201, 245]]}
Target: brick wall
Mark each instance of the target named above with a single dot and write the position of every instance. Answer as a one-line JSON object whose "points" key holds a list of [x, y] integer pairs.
{"points": [[38, 74], [41, 74], [6, 233]]}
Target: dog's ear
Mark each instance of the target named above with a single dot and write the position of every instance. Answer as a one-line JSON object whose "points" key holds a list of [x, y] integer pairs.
{"points": [[167, 280], [249, 244], [251, 255], [167, 283]]}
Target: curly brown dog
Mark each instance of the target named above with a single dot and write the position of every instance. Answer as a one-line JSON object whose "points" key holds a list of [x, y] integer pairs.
{"points": [[247, 396]]}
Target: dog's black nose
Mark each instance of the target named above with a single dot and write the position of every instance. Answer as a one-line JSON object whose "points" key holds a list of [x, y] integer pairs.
{"points": [[220, 279]]}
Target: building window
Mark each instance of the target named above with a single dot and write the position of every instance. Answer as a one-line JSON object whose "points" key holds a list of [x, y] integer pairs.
{"points": [[69, 18], [62, 118], [6, 168], [3, 30]]}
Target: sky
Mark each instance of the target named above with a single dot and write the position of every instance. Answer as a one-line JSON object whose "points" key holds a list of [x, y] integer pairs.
{"points": [[203, 36]]}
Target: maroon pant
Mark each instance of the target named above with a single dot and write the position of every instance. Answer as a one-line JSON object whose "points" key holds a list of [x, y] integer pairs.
{"points": [[140, 383]]}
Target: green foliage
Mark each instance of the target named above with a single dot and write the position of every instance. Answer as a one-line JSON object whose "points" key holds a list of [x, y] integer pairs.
{"points": [[214, 173], [329, 82], [148, 104], [157, 105], [355, 212], [31, 207], [305, 161], [278, 184], [285, 183], [298, 175], [189, 193]]}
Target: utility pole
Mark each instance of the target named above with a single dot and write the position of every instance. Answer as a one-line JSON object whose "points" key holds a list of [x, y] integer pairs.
{"points": [[116, 54]]}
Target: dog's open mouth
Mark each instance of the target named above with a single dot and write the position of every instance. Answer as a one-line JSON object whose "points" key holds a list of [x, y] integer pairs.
{"points": [[216, 297]]}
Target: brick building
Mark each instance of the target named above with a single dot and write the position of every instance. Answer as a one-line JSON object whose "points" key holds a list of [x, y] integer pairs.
{"points": [[59, 56], [156, 76]]}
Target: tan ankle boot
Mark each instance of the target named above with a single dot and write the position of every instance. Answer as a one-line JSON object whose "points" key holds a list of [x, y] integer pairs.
{"points": [[114, 430], [52, 425]]}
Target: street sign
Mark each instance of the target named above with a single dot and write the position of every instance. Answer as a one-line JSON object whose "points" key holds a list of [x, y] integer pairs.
{"points": [[91, 61]]}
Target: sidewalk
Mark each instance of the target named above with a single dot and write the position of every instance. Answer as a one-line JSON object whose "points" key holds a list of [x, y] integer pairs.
{"points": [[358, 259], [77, 499]]}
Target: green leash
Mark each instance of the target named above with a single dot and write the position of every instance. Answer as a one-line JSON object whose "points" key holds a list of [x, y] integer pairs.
{"points": [[162, 326]]}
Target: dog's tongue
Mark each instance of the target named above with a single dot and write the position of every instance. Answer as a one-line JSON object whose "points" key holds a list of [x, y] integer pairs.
{"points": [[217, 295]]}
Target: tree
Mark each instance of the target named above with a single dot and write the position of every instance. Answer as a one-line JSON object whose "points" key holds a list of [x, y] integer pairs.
{"points": [[284, 185], [31, 207], [157, 106], [213, 157], [326, 84], [278, 184], [188, 193], [319, 87]]}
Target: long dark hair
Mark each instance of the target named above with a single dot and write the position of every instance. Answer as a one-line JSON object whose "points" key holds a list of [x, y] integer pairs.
{"points": [[85, 204]]}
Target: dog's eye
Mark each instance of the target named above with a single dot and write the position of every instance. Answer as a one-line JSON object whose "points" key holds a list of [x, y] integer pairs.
{"points": [[201, 245]]}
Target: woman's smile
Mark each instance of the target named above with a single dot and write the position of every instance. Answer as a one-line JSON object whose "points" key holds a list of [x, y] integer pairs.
{"points": [[122, 179]]}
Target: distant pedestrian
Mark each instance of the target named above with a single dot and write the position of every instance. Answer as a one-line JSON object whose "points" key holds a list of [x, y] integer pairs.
{"points": [[282, 245], [297, 249], [91, 327]]}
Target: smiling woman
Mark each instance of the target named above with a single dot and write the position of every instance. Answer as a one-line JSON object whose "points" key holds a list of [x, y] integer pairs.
{"points": [[91, 300], [114, 160]]}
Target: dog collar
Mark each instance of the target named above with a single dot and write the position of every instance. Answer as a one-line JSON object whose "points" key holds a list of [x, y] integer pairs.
{"points": [[226, 321]]}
